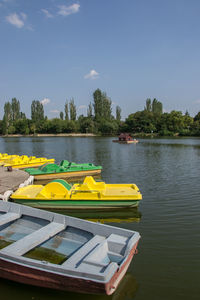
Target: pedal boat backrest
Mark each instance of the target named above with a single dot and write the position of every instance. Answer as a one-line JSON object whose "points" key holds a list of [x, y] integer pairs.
{"points": [[55, 189], [92, 184]]}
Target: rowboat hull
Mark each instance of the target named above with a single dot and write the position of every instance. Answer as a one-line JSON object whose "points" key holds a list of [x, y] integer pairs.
{"points": [[50, 250], [41, 278], [79, 204], [66, 175]]}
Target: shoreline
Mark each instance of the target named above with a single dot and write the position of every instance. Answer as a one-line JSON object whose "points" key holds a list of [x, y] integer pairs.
{"points": [[51, 135], [136, 135]]}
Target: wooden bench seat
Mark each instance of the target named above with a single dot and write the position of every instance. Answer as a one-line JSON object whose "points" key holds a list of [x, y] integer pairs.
{"points": [[8, 217]]}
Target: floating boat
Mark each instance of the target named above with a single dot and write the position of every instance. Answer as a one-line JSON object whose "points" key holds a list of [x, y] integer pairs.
{"points": [[125, 138], [50, 250], [66, 169], [6, 157], [25, 161], [89, 194]]}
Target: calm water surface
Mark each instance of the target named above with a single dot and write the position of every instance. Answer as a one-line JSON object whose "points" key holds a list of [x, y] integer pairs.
{"points": [[167, 172]]}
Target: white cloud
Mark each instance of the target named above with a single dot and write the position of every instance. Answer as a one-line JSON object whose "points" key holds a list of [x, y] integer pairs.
{"points": [[47, 13], [16, 19], [54, 111], [92, 75], [45, 101], [68, 10]]}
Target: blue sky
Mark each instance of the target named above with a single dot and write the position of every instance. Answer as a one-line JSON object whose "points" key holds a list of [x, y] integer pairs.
{"points": [[53, 50]]}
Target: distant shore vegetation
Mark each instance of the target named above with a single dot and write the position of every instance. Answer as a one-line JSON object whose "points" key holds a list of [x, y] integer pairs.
{"points": [[99, 120]]}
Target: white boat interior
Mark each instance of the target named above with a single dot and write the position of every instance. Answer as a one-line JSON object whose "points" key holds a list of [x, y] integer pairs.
{"points": [[61, 244]]}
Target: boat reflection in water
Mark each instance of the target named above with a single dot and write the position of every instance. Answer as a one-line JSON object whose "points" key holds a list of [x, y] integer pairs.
{"points": [[114, 215], [105, 216], [127, 289]]}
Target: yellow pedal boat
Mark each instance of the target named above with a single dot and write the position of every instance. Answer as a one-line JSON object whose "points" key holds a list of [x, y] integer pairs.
{"points": [[6, 157], [87, 195], [22, 162]]}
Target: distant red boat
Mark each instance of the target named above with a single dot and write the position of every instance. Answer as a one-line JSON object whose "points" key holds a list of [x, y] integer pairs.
{"points": [[125, 138]]}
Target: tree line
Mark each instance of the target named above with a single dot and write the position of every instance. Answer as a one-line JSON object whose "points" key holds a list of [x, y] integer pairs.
{"points": [[99, 120]]}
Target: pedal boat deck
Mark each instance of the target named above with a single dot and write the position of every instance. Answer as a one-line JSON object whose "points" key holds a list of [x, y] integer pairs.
{"points": [[90, 194], [66, 169]]}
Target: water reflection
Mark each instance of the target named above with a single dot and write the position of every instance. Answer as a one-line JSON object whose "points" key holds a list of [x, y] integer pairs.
{"points": [[111, 216], [127, 289]]}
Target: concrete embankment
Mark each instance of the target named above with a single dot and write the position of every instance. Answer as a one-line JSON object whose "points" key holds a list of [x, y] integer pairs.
{"points": [[10, 180]]}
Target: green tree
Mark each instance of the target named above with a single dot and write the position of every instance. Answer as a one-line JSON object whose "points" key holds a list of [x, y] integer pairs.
{"points": [[102, 106], [89, 110], [61, 115], [148, 106], [156, 106], [106, 107], [197, 117], [98, 105], [86, 124], [55, 125], [66, 111], [37, 111], [141, 121], [22, 115], [118, 113], [7, 118], [15, 107], [72, 110], [21, 126]]}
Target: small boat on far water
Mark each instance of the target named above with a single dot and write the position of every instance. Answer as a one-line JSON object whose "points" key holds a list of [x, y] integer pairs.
{"points": [[50, 250], [66, 169], [87, 195], [125, 138]]}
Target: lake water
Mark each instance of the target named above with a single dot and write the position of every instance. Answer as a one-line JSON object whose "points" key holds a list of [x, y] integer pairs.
{"points": [[167, 171]]}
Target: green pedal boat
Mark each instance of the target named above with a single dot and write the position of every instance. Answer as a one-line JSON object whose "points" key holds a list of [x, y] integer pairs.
{"points": [[88, 195], [66, 169]]}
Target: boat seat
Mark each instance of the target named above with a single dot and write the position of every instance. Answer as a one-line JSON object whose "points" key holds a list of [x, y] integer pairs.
{"points": [[99, 259], [8, 217], [63, 182], [34, 239], [76, 258]]}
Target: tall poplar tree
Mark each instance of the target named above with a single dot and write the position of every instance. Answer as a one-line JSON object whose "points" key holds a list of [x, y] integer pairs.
{"points": [[156, 106], [37, 111], [89, 110], [61, 115], [72, 110], [118, 113], [7, 118], [66, 111], [98, 107], [148, 106], [15, 106]]}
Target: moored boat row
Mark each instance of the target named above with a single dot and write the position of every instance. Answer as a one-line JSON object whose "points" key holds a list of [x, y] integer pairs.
{"points": [[47, 249], [23, 161]]}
